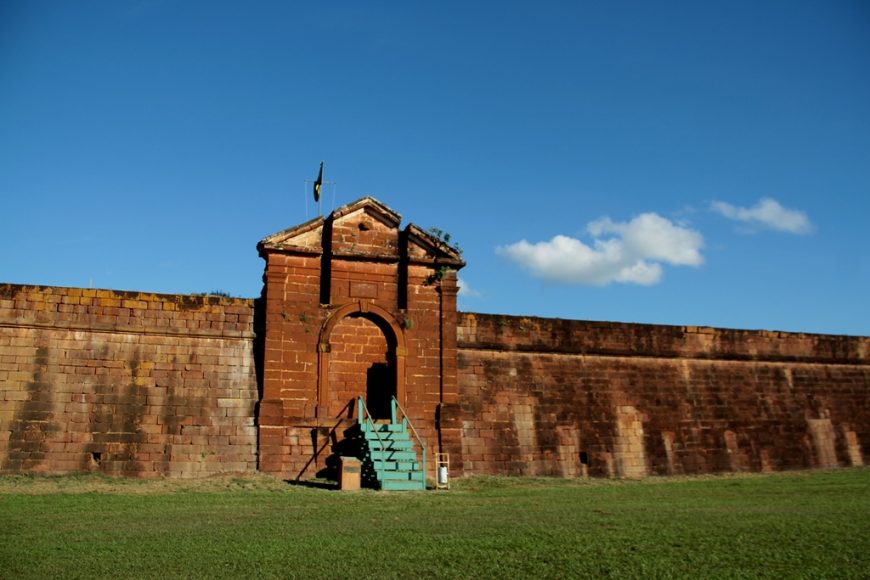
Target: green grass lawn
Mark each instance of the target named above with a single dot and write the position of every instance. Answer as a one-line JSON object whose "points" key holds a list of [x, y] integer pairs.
{"points": [[806, 524]]}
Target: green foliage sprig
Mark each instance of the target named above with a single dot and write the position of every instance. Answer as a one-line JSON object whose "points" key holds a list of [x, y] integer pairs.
{"points": [[443, 239]]}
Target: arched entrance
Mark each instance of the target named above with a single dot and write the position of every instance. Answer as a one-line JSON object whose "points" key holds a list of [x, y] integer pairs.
{"points": [[361, 354]]}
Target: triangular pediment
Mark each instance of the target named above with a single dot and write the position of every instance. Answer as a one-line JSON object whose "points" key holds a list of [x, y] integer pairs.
{"points": [[363, 228], [424, 246], [366, 212], [305, 238], [372, 208]]}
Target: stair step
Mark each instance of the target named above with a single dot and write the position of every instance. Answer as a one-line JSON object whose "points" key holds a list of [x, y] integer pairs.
{"points": [[402, 485], [396, 465], [397, 437], [389, 456], [386, 434], [382, 427], [392, 455], [390, 445], [400, 475], [384, 437]]}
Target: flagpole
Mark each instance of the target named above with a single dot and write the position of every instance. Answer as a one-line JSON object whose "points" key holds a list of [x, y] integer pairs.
{"points": [[333, 196], [305, 195], [318, 188]]}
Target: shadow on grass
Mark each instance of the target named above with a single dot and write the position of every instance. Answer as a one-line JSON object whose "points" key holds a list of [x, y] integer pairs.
{"points": [[314, 483]]}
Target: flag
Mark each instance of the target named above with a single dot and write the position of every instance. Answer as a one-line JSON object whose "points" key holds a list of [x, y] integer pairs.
{"points": [[318, 183]]}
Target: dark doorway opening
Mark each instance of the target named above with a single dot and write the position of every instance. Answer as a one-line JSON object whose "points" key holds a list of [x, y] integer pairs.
{"points": [[380, 389]]}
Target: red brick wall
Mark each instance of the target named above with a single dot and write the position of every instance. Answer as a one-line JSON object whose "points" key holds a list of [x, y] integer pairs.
{"points": [[636, 399], [343, 294], [125, 383], [357, 345], [295, 426], [140, 384]]}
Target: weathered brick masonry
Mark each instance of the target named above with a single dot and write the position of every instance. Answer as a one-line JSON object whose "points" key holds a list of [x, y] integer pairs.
{"points": [[125, 383], [558, 397], [355, 306], [138, 384]]}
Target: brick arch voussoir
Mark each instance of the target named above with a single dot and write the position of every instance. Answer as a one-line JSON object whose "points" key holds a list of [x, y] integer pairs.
{"points": [[376, 314]]}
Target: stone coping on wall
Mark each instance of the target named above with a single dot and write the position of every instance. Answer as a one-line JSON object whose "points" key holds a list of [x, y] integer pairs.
{"points": [[579, 337], [100, 310]]}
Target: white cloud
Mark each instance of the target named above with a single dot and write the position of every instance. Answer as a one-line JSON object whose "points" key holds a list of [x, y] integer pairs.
{"points": [[767, 213], [632, 254], [464, 288]]}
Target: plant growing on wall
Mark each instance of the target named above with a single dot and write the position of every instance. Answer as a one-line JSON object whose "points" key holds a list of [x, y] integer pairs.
{"points": [[217, 293], [442, 239], [405, 320]]}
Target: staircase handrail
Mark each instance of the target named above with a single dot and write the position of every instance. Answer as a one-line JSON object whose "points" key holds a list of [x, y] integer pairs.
{"points": [[361, 406], [395, 405]]}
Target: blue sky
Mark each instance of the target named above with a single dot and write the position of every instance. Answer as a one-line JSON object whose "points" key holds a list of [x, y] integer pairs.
{"points": [[700, 163]]}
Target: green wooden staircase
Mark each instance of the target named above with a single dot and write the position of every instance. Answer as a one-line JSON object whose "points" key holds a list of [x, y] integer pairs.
{"points": [[389, 458]]}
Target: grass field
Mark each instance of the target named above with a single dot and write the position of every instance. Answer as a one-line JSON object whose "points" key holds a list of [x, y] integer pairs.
{"points": [[804, 524]]}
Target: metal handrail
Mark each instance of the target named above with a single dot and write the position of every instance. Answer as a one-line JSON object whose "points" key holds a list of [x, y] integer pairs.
{"points": [[360, 407], [394, 405]]}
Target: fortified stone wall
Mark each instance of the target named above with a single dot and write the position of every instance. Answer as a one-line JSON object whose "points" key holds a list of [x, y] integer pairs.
{"points": [[137, 384], [125, 383], [569, 398], [352, 309]]}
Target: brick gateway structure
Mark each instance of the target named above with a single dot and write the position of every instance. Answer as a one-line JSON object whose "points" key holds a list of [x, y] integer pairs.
{"points": [[354, 306], [140, 384]]}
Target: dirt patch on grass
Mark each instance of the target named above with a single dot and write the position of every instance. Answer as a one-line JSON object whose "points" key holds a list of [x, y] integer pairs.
{"points": [[96, 483], [33, 484]]}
